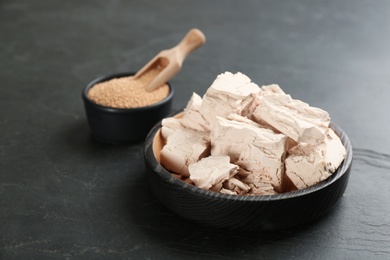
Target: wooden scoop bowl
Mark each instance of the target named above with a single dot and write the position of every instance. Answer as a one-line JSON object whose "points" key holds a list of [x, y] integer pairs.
{"points": [[171, 60]]}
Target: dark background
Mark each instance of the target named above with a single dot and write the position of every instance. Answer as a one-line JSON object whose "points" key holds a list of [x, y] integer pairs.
{"points": [[65, 195]]}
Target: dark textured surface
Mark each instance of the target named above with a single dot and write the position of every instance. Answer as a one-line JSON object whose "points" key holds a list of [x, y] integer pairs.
{"points": [[64, 195]]}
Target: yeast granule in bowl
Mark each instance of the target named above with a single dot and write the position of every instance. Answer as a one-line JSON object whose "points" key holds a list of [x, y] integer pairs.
{"points": [[119, 110], [128, 92]]}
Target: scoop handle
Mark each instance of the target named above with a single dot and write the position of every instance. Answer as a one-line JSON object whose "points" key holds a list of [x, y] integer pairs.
{"points": [[193, 40]]}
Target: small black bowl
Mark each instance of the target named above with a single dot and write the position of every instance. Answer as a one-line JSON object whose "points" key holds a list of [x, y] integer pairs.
{"points": [[246, 213], [123, 125]]}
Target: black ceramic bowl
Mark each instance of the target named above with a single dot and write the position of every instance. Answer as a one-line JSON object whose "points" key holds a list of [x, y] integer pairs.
{"points": [[123, 125], [247, 213]]}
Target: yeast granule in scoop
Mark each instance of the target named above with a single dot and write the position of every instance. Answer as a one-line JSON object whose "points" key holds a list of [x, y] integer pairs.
{"points": [[127, 92]]}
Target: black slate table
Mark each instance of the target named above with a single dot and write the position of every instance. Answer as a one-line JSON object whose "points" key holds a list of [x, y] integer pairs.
{"points": [[64, 195]]}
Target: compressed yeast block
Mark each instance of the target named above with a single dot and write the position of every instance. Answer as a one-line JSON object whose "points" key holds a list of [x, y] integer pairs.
{"points": [[229, 93], [255, 149], [308, 164], [211, 171], [292, 117], [191, 118], [184, 147]]}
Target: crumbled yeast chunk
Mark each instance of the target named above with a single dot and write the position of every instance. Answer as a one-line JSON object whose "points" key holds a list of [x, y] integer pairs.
{"points": [[244, 140], [237, 186], [267, 89], [292, 117], [251, 147], [229, 93], [184, 146], [191, 118], [211, 171], [308, 164], [272, 89]]}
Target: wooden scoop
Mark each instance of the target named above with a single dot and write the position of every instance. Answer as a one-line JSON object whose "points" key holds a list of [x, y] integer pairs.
{"points": [[171, 60]]}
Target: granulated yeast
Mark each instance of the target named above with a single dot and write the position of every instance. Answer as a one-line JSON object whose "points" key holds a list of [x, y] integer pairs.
{"points": [[127, 92]]}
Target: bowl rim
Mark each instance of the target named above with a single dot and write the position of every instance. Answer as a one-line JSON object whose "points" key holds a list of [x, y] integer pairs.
{"points": [[107, 77], [164, 174]]}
